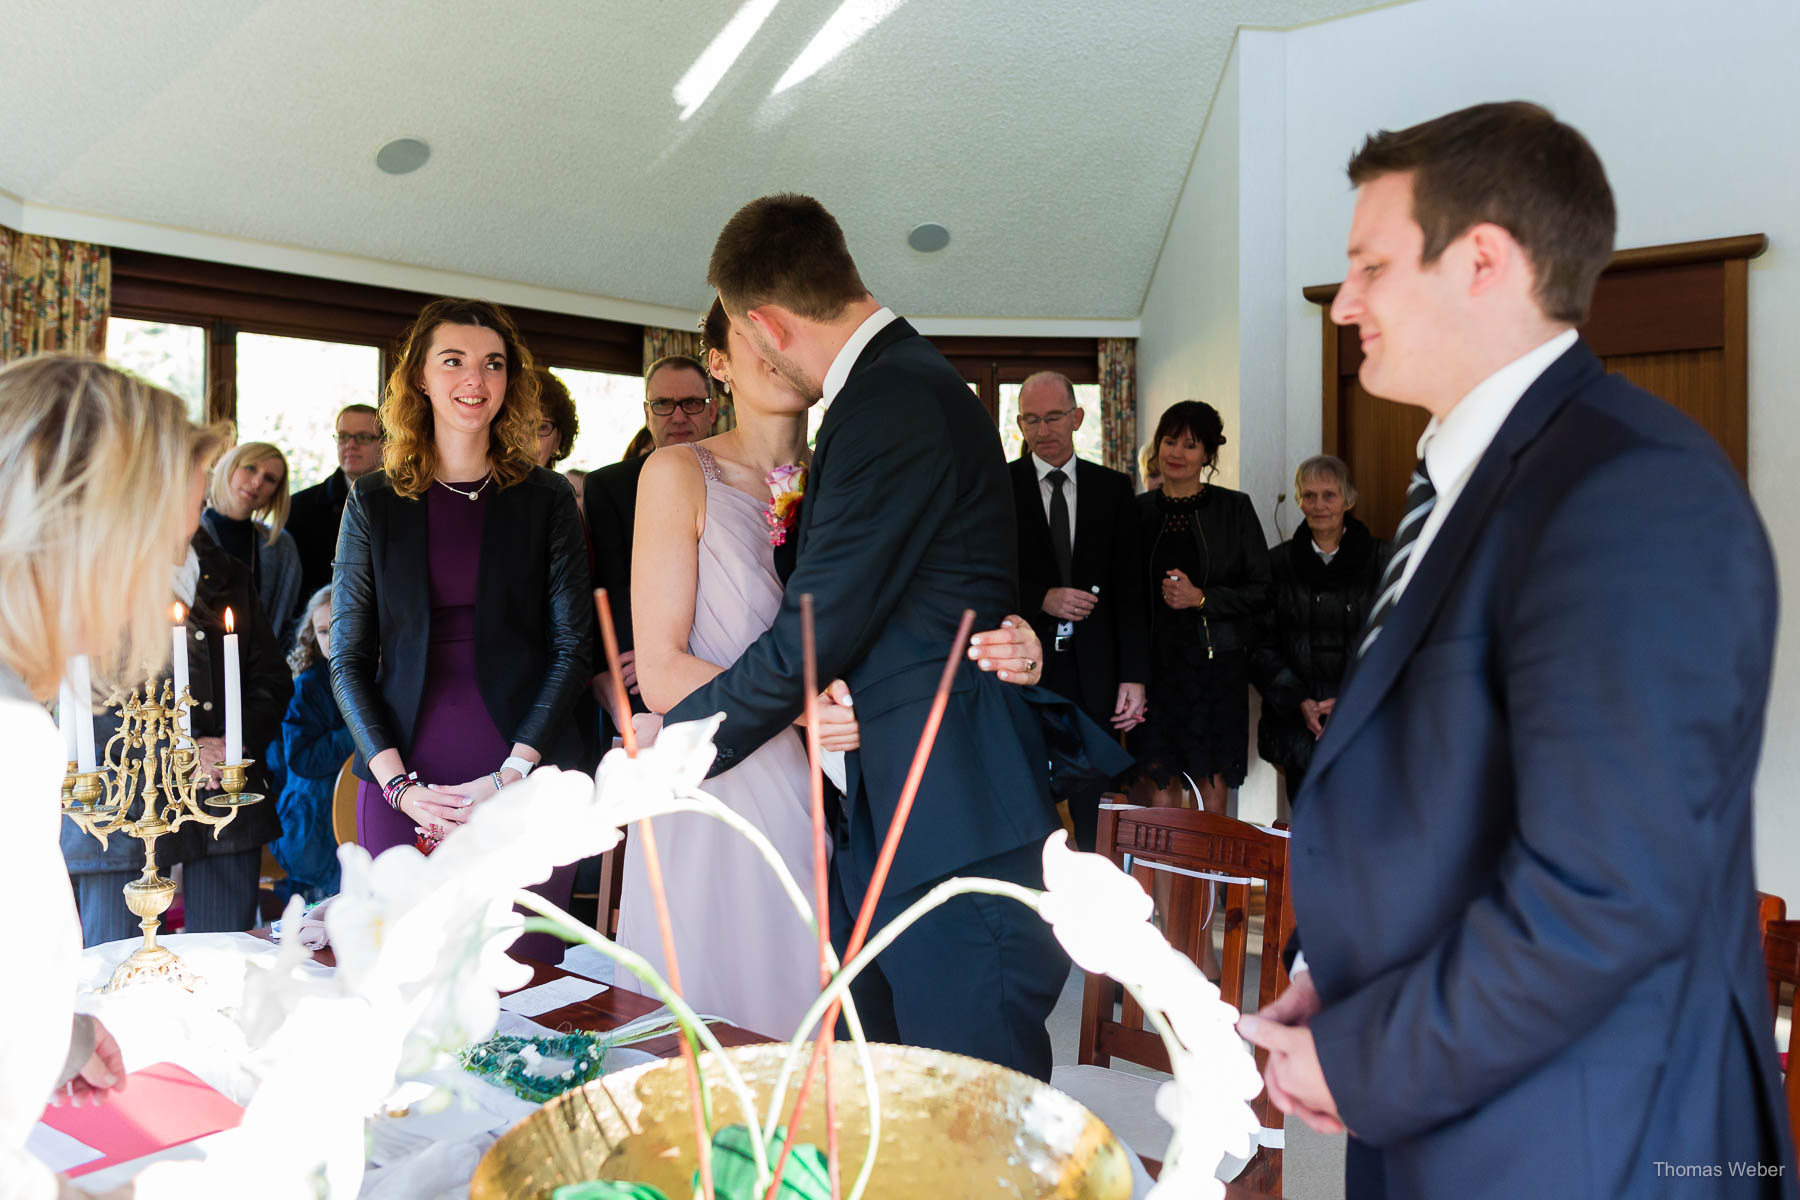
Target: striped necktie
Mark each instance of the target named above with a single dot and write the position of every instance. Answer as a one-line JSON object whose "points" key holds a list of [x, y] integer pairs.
{"points": [[1421, 498]]}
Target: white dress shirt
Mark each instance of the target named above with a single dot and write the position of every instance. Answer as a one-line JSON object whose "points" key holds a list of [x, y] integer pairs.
{"points": [[846, 358], [1046, 490], [1452, 444]]}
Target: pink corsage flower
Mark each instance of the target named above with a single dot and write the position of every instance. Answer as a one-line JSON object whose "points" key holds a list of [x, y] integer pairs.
{"points": [[786, 486]]}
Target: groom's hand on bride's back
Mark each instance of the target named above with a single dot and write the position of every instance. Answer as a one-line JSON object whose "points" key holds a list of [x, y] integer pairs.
{"points": [[1011, 652]]}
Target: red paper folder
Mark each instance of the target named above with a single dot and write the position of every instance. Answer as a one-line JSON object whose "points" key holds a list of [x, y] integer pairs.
{"points": [[161, 1106]]}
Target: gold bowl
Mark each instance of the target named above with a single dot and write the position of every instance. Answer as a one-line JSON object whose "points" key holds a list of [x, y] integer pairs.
{"points": [[950, 1127]]}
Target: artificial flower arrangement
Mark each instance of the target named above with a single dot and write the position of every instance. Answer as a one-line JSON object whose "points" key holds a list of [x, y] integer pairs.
{"points": [[787, 486], [421, 955]]}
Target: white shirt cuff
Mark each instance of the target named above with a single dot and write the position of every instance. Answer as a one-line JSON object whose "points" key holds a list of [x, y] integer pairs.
{"points": [[1299, 964]]}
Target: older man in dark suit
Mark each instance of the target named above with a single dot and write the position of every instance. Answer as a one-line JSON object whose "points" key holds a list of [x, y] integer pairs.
{"points": [[1081, 572], [1523, 864]]}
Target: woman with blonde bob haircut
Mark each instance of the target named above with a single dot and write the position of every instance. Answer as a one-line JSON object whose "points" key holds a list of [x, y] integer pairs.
{"points": [[247, 506], [101, 480], [461, 628]]}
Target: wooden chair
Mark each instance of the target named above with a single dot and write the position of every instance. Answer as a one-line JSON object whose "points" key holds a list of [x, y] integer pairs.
{"points": [[1781, 954], [1196, 845], [343, 803]]}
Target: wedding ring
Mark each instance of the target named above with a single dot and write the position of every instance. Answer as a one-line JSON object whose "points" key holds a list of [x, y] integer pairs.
{"points": [[1031, 664]]}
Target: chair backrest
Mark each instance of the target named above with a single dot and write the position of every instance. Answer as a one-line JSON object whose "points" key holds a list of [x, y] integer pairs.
{"points": [[1781, 956], [343, 803], [1200, 850]]}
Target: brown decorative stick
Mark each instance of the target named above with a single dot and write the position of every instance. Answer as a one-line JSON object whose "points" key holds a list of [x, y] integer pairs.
{"points": [[903, 810], [821, 896], [609, 639]]}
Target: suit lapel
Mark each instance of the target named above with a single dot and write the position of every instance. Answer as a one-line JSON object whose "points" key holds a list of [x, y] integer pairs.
{"points": [[407, 549], [890, 333], [1371, 679], [1028, 498]]}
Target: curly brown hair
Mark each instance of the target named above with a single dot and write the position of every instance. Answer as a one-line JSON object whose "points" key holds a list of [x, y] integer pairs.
{"points": [[410, 454]]}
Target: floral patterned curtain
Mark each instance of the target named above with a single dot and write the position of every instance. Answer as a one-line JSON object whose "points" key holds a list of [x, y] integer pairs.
{"points": [[53, 295], [1118, 403], [659, 342]]}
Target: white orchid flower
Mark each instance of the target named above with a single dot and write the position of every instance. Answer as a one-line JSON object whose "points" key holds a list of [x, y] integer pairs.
{"points": [[673, 766]]}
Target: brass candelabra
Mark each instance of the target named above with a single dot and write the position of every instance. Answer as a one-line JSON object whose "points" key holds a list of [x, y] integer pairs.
{"points": [[151, 765]]}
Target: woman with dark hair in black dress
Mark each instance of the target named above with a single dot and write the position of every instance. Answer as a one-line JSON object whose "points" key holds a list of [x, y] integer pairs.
{"points": [[1209, 570]]}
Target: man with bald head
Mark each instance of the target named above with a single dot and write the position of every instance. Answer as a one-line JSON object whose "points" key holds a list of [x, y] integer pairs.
{"points": [[678, 408], [1081, 571]]}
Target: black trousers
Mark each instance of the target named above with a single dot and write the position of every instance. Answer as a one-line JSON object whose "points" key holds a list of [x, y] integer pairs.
{"points": [[218, 894], [1062, 675], [976, 976]]}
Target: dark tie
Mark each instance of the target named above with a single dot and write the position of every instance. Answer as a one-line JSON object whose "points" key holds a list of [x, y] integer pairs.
{"points": [[1060, 541], [1421, 497]]}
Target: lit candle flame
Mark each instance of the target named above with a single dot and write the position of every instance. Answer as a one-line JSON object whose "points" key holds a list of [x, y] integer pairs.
{"points": [[177, 612], [228, 622]]}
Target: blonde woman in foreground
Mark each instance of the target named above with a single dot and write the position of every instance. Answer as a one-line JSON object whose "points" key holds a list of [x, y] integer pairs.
{"points": [[84, 569]]}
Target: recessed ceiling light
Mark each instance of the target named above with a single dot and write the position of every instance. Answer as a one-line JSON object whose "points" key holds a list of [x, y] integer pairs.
{"points": [[402, 156], [928, 237]]}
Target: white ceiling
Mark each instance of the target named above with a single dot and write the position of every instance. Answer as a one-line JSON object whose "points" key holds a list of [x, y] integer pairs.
{"points": [[1052, 138]]}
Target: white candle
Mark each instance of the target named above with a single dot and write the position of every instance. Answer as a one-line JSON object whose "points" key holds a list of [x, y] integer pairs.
{"points": [[81, 688], [179, 660], [234, 717], [65, 717]]}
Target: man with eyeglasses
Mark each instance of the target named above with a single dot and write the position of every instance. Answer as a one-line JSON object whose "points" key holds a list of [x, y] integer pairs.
{"points": [[314, 514], [678, 408], [1081, 574]]}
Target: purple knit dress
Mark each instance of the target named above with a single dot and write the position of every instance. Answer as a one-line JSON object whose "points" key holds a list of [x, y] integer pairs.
{"points": [[455, 739]]}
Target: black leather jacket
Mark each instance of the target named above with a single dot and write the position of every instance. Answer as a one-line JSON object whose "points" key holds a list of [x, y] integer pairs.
{"points": [[534, 616]]}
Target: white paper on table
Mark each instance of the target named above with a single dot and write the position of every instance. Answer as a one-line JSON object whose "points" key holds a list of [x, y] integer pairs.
{"points": [[588, 962], [832, 763], [57, 1150], [545, 997], [511, 1024]]}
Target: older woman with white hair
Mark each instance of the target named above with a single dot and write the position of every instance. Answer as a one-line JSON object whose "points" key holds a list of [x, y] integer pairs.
{"points": [[84, 569], [247, 506], [1322, 583]]}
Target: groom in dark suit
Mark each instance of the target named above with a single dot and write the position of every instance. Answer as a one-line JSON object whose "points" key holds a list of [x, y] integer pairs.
{"points": [[907, 521], [1523, 863]]}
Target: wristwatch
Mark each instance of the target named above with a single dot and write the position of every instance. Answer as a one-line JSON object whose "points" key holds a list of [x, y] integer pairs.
{"points": [[518, 764]]}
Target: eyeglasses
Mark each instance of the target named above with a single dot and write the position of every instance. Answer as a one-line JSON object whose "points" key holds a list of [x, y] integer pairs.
{"points": [[546, 428], [357, 439], [1032, 420], [691, 405]]}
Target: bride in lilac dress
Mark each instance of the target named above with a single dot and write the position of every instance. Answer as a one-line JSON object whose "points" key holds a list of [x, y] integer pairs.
{"points": [[704, 586]]}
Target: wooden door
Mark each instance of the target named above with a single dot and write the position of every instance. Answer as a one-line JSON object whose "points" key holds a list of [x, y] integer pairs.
{"points": [[1672, 319]]}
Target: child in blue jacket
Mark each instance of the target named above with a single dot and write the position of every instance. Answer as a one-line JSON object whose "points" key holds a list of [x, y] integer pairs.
{"points": [[314, 742]]}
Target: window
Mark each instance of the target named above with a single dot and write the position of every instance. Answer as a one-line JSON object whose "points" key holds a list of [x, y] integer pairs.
{"points": [[1088, 442], [611, 410], [289, 391], [170, 356]]}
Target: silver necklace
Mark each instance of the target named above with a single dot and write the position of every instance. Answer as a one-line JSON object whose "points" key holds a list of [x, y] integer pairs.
{"points": [[476, 494]]}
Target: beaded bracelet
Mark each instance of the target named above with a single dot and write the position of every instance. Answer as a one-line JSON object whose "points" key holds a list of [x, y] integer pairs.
{"points": [[393, 789], [498, 782]]}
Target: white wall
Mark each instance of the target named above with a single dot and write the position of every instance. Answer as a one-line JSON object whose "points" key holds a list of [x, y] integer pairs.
{"points": [[1692, 108], [1188, 333]]}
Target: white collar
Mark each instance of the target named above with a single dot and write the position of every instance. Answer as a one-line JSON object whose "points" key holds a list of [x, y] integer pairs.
{"points": [[1044, 468], [846, 358], [1452, 444]]}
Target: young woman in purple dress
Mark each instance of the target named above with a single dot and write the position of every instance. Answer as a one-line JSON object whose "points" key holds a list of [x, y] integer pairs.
{"points": [[462, 624]]}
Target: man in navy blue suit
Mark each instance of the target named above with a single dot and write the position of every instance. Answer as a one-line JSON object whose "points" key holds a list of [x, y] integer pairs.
{"points": [[1522, 861]]}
